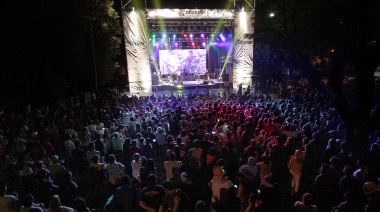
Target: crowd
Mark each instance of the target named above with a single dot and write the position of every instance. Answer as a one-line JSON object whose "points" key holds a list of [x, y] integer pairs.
{"points": [[206, 152]]}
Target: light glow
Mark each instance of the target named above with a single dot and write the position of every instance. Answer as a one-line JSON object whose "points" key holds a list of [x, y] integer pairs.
{"points": [[222, 37], [243, 22]]}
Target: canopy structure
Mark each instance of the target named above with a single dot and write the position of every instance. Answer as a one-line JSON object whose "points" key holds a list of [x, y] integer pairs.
{"points": [[186, 45]]}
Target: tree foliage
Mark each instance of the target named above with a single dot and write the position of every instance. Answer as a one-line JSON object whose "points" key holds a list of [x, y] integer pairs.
{"points": [[48, 50], [298, 31], [301, 31]]}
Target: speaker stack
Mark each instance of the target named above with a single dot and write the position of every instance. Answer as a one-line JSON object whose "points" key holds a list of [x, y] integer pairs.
{"points": [[225, 77]]}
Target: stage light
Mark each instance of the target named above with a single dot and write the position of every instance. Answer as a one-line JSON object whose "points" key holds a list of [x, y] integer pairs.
{"points": [[154, 35], [222, 37], [174, 36], [164, 36], [204, 44], [193, 44], [157, 44], [185, 35], [243, 24], [202, 35], [176, 44], [191, 35]]}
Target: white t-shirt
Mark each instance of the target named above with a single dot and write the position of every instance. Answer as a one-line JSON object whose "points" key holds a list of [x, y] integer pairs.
{"points": [[169, 165], [216, 186], [117, 144], [136, 167], [196, 153], [114, 171]]}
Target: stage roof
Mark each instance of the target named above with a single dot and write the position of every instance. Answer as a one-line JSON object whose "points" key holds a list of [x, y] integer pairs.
{"points": [[186, 4]]}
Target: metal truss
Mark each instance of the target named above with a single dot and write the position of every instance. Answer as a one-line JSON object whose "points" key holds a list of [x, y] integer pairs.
{"points": [[190, 26]]}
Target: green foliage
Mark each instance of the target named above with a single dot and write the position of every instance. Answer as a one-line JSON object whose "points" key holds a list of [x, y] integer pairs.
{"points": [[299, 30], [48, 49]]}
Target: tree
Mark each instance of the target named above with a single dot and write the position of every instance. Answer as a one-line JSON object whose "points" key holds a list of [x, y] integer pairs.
{"points": [[364, 55], [302, 30], [48, 50], [297, 31]]}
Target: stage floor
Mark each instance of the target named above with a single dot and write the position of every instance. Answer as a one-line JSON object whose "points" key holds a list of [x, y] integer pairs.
{"points": [[190, 85]]}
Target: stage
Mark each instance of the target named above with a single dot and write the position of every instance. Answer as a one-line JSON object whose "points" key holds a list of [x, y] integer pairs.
{"points": [[191, 85], [196, 45]]}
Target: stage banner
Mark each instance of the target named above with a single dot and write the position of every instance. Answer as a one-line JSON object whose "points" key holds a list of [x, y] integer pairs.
{"points": [[189, 14], [243, 49], [136, 38]]}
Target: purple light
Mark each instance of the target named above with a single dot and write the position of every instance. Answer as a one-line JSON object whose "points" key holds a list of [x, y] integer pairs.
{"points": [[202, 35], [222, 37], [204, 44], [176, 44], [157, 44]]}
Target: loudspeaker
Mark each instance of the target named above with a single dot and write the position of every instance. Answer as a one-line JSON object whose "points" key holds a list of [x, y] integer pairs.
{"points": [[225, 77], [155, 80]]}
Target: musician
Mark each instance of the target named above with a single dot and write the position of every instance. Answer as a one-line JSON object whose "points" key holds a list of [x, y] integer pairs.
{"points": [[201, 63], [172, 63], [203, 74], [189, 61]]}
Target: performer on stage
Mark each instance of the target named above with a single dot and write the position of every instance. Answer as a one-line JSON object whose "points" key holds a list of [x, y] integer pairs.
{"points": [[189, 62], [172, 63]]}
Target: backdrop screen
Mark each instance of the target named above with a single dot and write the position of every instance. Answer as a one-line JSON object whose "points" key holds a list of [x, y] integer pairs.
{"points": [[182, 61]]}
